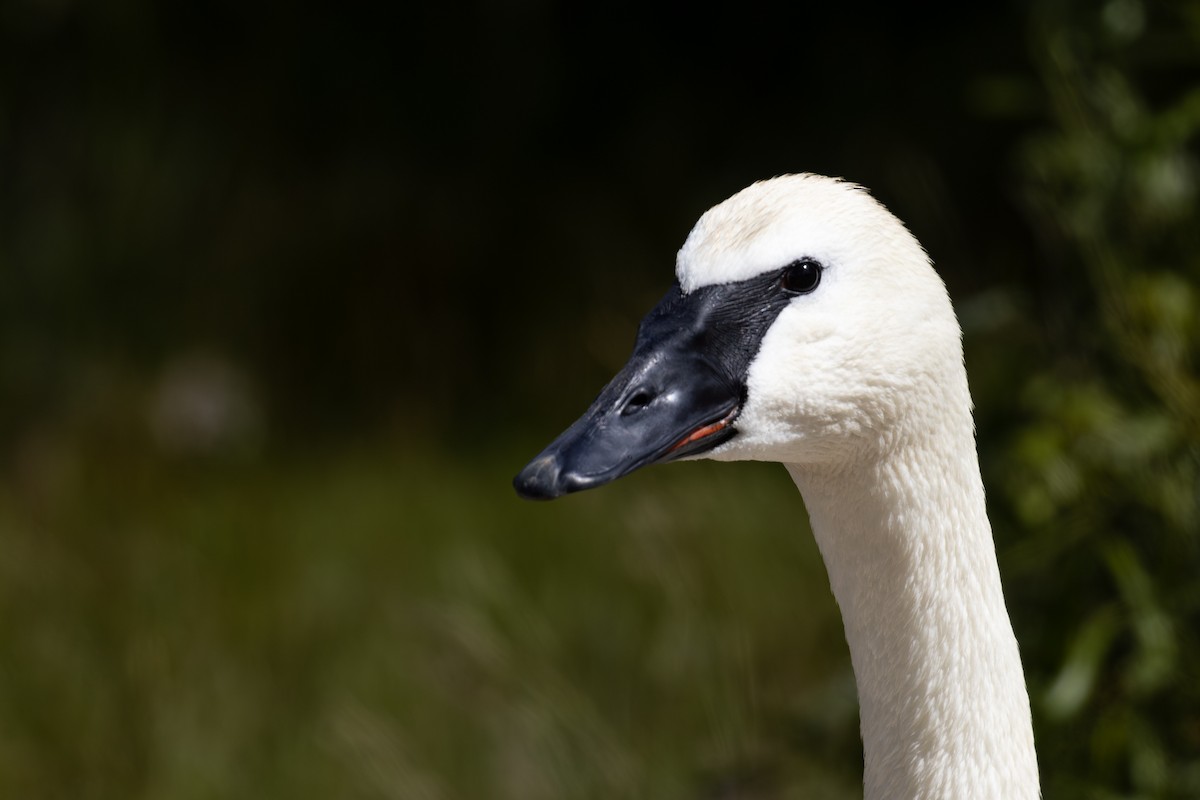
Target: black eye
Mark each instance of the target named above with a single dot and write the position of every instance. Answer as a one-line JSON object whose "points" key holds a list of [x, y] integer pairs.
{"points": [[800, 277]]}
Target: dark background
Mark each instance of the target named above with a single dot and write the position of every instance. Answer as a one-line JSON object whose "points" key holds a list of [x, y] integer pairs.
{"points": [[409, 202], [287, 295]]}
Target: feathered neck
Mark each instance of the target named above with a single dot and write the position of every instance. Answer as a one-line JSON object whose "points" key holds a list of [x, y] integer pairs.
{"points": [[909, 551]]}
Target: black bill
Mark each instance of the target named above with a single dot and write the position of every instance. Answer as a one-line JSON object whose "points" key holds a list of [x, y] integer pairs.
{"points": [[679, 395]]}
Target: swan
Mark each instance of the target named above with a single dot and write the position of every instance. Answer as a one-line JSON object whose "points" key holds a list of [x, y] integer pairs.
{"points": [[807, 326]]}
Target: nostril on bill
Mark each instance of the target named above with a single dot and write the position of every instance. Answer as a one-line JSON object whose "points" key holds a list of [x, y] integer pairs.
{"points": [[637, 401]]}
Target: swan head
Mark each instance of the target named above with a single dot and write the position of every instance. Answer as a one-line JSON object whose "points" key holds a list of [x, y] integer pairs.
{"points": [[806, 325]]}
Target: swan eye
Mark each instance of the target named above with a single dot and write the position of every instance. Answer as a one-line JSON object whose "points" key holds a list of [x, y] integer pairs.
{"points": [[800, 277]]}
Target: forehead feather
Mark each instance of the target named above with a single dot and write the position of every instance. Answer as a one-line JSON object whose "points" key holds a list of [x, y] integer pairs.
{"points": [[771, 223]]}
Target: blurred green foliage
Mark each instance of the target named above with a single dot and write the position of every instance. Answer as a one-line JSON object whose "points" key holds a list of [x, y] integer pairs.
{"points": [[287, 295], [304, 631], [1098, 488]]}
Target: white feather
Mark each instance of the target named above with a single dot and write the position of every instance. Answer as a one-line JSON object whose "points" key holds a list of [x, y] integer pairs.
{"points": [[859, 388]]}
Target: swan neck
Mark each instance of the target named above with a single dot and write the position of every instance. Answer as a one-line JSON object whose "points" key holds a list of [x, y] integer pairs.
{"points": [[911, 561]]}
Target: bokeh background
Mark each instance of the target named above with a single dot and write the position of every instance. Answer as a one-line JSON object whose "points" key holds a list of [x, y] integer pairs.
{"points": [[288, 294]]}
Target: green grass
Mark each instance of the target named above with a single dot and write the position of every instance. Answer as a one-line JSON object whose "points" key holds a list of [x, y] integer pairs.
{"points": [[396, 623]]}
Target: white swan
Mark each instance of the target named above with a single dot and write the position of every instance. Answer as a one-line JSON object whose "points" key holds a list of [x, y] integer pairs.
{"points": [[808, 327]]}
